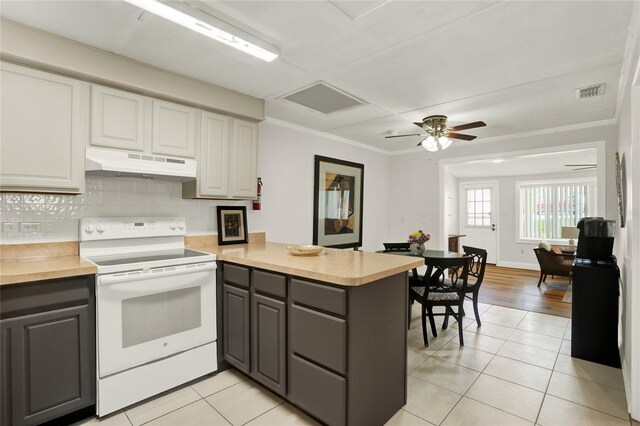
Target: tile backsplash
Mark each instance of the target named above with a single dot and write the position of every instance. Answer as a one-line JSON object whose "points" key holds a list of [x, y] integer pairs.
{"points": [[104, 197]]}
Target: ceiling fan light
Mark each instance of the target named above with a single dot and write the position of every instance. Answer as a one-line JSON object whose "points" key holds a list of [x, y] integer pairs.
{"points": [[445, 142], [430, 144]]}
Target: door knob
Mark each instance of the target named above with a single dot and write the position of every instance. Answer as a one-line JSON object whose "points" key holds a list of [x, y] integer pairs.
{"points": [[493, 227]]}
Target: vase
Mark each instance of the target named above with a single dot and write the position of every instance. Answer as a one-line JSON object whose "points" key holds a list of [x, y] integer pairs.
{"points": [[417, 247]]}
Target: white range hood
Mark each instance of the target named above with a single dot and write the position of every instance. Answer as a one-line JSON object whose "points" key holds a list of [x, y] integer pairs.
{"points": [[108, 162]]}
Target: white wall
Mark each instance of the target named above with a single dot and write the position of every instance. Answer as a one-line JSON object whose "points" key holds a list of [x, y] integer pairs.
{"points": [[511, 252], [285, 163], [415, 199], [628, 251]]}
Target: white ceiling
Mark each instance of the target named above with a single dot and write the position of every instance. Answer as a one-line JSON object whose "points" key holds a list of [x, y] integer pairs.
{"points": [[528, 164], [512, 64]]}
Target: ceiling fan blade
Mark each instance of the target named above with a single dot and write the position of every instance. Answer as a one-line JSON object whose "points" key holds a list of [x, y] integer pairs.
{"points": [[461, 136], [418, 123], [402, 136], [581, 165], [585, 168], [468, 126]]}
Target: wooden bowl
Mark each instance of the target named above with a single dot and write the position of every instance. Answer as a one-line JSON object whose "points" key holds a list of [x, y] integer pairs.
{"points": [[306, 250]]}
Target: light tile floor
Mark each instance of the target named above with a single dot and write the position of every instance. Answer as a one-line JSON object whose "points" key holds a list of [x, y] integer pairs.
{"points": [[514, 370]]}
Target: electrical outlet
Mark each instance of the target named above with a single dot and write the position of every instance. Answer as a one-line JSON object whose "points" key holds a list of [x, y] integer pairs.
{"points": [[30, 227], [9, 227]]}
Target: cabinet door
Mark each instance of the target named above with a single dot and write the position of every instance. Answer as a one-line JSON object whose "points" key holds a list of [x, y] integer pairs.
{"points": [[268, 349], [44, 131], [235, 303], [213, 164], [117, 118], [52, 361], [244, 159], [174, 129]]}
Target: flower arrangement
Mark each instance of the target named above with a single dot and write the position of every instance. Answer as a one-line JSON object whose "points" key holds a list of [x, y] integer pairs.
{"points": [[419, 237]]}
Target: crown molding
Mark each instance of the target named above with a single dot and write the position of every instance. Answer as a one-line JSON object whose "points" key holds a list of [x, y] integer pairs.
{"points": [[320, 133]]}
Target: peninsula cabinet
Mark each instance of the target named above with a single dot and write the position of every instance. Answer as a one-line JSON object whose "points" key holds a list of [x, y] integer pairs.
{"points": [[337, 352], [48, 349], [44, 131], [227, 156]]}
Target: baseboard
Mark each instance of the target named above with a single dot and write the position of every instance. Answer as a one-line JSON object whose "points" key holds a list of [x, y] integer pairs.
{"points": [[518, 265]]}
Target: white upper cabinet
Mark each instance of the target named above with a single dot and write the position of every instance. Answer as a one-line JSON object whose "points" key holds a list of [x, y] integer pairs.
{"points": [[227, 159], [244, 159], [44, 131], [117, 119], [174, 129], [213, 167]]}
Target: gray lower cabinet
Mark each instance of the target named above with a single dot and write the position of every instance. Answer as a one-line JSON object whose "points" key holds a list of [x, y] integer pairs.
{"points": [[269, 342], [48, 349], [338, 353], [236, 329]]}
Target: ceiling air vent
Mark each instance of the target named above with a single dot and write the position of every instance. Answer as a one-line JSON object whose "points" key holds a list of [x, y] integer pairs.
{"points": [[323, 98], [590, 91]]}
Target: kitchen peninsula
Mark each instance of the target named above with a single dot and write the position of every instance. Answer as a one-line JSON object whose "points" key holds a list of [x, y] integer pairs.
{"points": [[326, 332]]}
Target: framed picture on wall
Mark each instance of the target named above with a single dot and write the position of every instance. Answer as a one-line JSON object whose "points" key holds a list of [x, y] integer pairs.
{"points": [[337, 203], [232, 225]]}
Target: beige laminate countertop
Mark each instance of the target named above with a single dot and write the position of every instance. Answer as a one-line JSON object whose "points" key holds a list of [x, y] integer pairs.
{"points": [[14, 271], [342, 267]]}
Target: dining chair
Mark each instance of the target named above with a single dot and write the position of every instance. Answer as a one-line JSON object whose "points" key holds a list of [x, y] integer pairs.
{"points": [[432, 289], [477, 267]]}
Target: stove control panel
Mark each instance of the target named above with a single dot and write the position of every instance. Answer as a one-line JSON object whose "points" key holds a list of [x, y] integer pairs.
{"points": [[130, 227]]}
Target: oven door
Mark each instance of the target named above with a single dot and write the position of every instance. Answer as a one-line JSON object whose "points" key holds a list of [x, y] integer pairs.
{"points": [[148, 315]]}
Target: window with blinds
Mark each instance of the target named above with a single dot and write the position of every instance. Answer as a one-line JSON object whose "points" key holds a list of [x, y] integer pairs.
{"points": [[546, 207]]}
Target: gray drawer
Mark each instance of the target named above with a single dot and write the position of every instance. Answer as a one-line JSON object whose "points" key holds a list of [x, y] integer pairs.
{"points": [[319, 296], [238, 275], [319, 337], [318, 391], [269, 283]]}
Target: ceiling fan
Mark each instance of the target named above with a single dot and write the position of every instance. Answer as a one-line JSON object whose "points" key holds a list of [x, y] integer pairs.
{"points": [[437, 132], [582, 166]]}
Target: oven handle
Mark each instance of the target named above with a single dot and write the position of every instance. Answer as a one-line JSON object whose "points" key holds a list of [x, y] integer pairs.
{"points": [[150, 274]]}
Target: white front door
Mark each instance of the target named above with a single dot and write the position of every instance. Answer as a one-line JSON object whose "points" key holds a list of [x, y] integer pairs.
{"points": [[478, 218]]}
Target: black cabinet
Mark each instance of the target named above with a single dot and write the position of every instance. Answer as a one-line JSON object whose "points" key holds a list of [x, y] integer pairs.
{"points": [[236, 329], [48, 349]]}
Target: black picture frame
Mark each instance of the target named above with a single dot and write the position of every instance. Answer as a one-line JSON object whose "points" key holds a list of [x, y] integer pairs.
{"points": [[344, 203], [232, 225]]}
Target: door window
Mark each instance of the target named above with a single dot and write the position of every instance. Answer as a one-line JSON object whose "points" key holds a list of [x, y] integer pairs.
{"points": [[479, 207]]}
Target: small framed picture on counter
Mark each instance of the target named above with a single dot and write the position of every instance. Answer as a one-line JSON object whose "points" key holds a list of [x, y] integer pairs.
{"points": [[232, 225]]}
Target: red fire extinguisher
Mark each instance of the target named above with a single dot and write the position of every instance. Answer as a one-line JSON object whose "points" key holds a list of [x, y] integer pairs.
{"points": [[257, 202]]}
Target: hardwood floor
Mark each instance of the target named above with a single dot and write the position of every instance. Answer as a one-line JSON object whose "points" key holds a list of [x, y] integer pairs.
{"points": [[517, 288]]}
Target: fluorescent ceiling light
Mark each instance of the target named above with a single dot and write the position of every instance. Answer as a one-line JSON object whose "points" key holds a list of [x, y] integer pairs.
{"points": [[201, 27]]}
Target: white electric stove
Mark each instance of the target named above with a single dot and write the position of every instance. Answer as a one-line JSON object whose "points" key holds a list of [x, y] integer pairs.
{"points": [[155, 304]]}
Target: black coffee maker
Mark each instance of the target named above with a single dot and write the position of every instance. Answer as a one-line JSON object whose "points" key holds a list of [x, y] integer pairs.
{"points": [[596, 239]]}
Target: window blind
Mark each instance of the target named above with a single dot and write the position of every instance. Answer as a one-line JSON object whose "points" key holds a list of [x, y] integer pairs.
{"points": [[546, 208]]}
